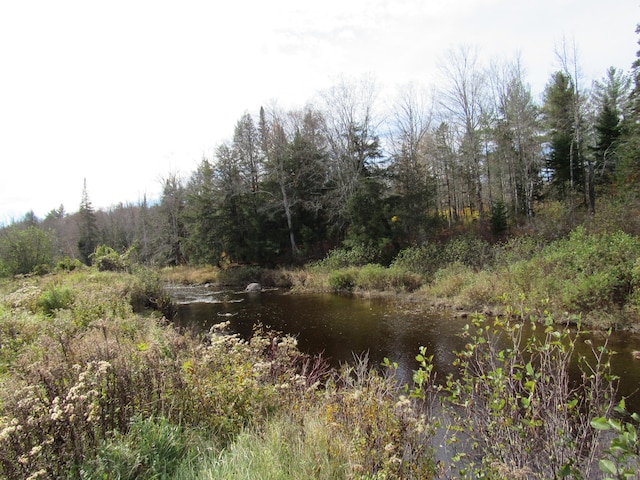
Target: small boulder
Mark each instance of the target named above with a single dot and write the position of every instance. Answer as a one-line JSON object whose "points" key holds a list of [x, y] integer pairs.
{"points": [[253, 287]]}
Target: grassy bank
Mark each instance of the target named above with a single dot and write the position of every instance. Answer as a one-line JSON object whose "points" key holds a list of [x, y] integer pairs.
{"points": [[590, 277], [95, 383]]}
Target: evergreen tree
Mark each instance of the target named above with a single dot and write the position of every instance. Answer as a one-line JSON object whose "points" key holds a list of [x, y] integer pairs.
{"points": [[610, 97], [170, 248], [236, 213], [201, 216], [565, 159], [88, 237]]}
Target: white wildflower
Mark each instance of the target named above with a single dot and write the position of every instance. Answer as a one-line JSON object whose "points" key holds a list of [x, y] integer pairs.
{"points": [[42, 473], [103, 366], [35, 450]]}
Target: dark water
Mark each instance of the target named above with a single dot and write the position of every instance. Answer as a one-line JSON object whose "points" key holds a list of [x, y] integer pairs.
{"points": [[340, 327]]}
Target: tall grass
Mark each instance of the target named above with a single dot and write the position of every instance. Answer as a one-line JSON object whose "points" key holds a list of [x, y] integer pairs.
{"points": [[121, 394], [103, 387]]}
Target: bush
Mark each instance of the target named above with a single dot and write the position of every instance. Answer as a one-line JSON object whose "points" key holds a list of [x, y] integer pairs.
{"points": [[469, 250], [592, 271], [450, 281], [55, 298], [343, 280], [356, 256], [69, 264], [106, 259], [424, 260], [517, 249], [22, 250], [514, 412], [146, 291]]}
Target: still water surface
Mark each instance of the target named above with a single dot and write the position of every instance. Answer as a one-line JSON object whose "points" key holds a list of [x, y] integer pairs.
{"points": [[339, 327]]}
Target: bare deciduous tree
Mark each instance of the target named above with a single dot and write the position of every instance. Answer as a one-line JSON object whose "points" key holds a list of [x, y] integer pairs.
{"points": [[463, 97]]}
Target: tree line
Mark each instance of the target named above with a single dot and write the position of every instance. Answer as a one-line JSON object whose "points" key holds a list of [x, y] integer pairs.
{"points": [[290, 185]]}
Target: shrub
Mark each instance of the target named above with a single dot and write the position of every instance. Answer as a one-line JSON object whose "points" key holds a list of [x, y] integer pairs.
{"points": [[356, 256], [22, 250], [424, 260], [622, 457], [68, 264], [517, 249], [516, 411], [147, 292], [595, 271], [343, 280], [449, 282], [106, 259], [469, 250], [55, 298]]}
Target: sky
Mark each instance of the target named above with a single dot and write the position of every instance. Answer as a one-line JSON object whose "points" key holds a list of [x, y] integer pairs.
{"points": [[124, 93]]}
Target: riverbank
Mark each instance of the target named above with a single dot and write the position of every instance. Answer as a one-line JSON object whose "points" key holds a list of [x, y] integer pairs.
{"points": [[95, 382], [588, 278]]}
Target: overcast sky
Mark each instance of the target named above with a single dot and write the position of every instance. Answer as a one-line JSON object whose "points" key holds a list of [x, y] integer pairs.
{"points": [[124, 92]]}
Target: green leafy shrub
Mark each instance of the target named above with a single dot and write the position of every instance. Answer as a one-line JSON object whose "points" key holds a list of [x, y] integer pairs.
{"points": [[356, 256], [55, 298], [106, 259], [517, 249], [592, 271], [68, 264], [622, 457], [22, 250], [343, 280], [514, 412], [468, 250], [450, 281], [146, 291], [424, 260]]}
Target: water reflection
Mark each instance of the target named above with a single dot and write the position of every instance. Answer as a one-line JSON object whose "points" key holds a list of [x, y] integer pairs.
{"points": [[340, 327]]}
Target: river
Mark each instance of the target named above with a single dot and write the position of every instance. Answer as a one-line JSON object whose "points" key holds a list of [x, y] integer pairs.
{"points": [[339, 327]]}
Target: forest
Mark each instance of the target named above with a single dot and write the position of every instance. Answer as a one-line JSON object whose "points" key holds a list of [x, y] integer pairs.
{"points": [[480, 156]]}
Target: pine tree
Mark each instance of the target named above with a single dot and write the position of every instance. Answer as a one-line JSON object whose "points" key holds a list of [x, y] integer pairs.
{"points": [[88, 227], [201, 211], [565, 160], [610, 96]]}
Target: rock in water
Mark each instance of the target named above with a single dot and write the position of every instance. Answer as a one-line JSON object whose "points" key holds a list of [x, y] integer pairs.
{"points": [[253, 287]]}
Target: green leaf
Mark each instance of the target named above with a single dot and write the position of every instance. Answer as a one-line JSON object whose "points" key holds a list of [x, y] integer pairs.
{"points": [[608, 466], [529, 369], [600, 423]]}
